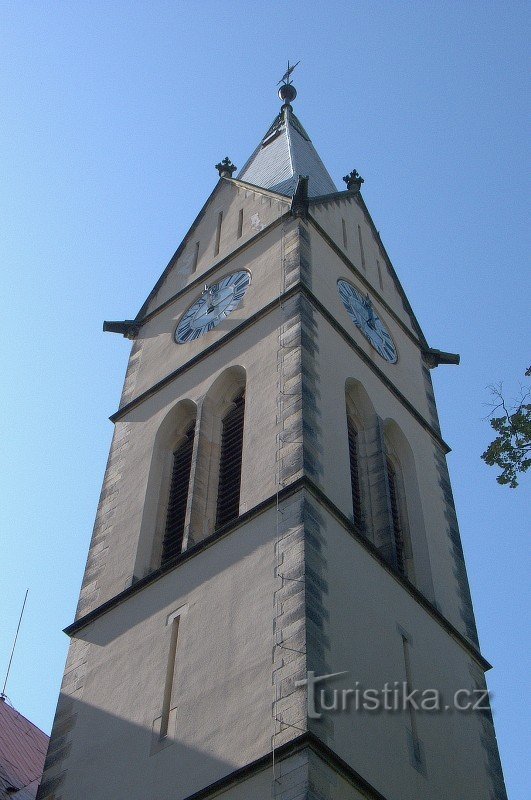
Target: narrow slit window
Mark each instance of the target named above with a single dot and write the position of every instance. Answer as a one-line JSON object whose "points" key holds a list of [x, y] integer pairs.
{"points": [[353, 452], [170, 675], [398, 533], [196, 257], [230, 463], [416, 749], [218, 233], [380, 278], [240, 223], [362, 253], [345, 240], [178, 497]]}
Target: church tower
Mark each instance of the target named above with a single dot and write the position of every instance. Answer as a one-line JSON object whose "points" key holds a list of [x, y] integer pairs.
{"points": [[276, 563]]}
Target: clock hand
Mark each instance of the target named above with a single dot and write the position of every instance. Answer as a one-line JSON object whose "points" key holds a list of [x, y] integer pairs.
{"points": [[208, 295], [371, 319], [220, 295]]}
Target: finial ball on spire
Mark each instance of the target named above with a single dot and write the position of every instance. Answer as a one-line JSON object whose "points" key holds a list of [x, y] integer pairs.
{"points": [[287, 92]]}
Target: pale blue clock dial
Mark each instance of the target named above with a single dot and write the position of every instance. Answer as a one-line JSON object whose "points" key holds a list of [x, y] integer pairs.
{"points": [[362, 313], [216, 302]]}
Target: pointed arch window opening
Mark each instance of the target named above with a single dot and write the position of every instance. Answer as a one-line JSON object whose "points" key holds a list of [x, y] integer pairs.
{"points": [[230, 463], [396, 518], [178, 497]]}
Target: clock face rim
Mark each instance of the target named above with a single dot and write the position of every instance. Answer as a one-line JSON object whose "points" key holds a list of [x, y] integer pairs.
{"points": [[226, 311], [362, 328]]}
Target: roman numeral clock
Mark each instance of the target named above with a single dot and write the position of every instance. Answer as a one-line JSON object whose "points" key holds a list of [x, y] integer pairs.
{"points": [[361, 311], [214, 304]]}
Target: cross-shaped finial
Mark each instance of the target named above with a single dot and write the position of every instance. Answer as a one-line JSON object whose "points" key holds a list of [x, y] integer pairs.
{"points": [[353, 181], [226, 168]]}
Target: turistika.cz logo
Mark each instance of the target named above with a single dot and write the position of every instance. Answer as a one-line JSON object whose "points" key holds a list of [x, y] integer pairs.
{"points": [[393, 696]]}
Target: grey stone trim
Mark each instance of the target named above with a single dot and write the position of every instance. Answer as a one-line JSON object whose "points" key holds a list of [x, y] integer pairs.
{"points": [[454, 540], [312, 437], [317, 614], [291, 778], [298, 380], [488, 740], [289, 647], [297, 258], [289, 407], [132, 371], [291, 257], [103, 525], [298, 605], [305, 256], [60, 744], [305, 762], [324, 781], [430, 398]]}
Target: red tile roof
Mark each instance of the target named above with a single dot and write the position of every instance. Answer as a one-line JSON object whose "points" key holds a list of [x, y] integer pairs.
{"points": [[22, 751]]}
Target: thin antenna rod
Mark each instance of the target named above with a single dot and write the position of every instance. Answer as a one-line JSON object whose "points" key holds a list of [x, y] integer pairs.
{"points": [[14, 644]]}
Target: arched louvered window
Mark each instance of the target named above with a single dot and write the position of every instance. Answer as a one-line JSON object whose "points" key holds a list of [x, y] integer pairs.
{"points": [[353, 452], [230, 463], [398, 533], [178, 497]]}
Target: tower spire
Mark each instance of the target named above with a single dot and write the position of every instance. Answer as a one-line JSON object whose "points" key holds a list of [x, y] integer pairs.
{"points": [[286, 152]]}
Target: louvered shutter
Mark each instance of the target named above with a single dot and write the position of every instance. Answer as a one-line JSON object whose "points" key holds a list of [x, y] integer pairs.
{"points": [[230, 463], [381, 514], [176, 514], [353, 453], [398, 534]]}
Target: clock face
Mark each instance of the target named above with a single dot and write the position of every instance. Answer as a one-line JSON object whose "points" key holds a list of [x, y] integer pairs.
{"points": [[362, 313], [215, 303]]}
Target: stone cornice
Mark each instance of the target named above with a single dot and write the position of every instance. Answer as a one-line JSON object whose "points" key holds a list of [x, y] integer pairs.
{"points": [[203, 277], [362, 279], [273, 305], [383, 377], [252, 187], [357, 197], [303, 483], [304, 741], [202, 355]]}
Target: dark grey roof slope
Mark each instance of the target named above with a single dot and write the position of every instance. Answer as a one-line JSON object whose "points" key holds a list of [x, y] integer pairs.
{"points": [[284, 153]]}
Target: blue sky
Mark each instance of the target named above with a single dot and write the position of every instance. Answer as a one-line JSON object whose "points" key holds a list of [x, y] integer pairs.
{"points": [[113, 115]]}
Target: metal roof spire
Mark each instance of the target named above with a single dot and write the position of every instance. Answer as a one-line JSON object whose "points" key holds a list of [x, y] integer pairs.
{"points": [[286, 152]]}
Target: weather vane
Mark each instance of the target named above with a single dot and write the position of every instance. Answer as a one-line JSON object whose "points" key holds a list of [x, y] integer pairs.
{"points": [[285, 78]]}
